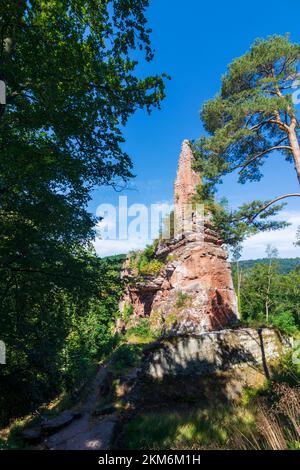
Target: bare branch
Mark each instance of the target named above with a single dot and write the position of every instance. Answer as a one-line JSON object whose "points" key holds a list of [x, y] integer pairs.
{"points": [[273, 202], [260, 124], [259, 155]]}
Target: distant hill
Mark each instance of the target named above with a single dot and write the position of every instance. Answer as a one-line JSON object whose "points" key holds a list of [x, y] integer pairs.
{"points": [[115, 261], [115, 258], [285, 264]]}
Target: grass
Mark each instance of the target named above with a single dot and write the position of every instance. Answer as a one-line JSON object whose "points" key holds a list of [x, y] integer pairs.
{"points": [[142, 332], [264, 419], [183, 300], [10, 437]]}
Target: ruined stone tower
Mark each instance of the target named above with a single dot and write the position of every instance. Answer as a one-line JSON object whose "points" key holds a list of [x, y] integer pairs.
{"points": [[184, 188], [193, 292]]}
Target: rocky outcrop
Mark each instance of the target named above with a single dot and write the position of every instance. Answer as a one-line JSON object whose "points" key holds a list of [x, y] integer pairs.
{"points": [[205, 369], [193, 291], [50, 426], [209, 368]]}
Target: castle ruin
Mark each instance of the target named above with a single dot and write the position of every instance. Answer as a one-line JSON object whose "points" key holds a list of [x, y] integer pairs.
{"points": [[193, 292]]}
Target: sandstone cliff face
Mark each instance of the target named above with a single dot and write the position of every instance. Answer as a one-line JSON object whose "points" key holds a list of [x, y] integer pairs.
{"points": [[193, 292]]}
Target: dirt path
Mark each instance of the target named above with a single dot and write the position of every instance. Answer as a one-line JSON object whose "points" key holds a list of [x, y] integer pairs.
{"points": [[88, 432]]}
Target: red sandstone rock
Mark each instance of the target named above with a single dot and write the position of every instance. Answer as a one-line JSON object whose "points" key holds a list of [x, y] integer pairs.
{"points": [[193, 292]]}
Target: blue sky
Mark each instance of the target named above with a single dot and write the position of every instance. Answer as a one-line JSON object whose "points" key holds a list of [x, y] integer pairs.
{"points": [[194, 43]]}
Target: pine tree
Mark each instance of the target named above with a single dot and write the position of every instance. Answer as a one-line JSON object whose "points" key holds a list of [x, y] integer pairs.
{"points": [[253, 117]]}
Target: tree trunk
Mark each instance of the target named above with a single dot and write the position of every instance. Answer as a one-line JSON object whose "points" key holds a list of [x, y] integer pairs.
{"points": [[267, 311], [239, 283], [296, 150], [267, 302]]}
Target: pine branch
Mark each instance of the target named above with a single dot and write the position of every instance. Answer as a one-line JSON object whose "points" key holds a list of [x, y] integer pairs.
{"points": [[273, 202], [259, 155]]}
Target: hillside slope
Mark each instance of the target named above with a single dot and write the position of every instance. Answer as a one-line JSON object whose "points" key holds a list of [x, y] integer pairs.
{"points": [[285, 265]]}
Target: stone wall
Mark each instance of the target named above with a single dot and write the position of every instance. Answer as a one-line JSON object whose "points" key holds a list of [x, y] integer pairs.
{"points": [[216, 351], [185, 186]]}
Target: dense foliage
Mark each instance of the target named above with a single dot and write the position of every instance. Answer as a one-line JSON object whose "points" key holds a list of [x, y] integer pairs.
{"points": [[268, 296], [71, 81], [54, 334]]}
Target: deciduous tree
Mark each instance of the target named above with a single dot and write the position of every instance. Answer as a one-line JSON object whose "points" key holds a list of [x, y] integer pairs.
{"points": [[70, 69]]}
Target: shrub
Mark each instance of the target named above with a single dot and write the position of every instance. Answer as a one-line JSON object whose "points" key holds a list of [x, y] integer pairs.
{"points": [[142, 332], [141, 329], [171, 320], [182, 300], [286, 370], [149, 251], [152, 267], [285, 322], [127, 312], [145, 263], [127, 355]]}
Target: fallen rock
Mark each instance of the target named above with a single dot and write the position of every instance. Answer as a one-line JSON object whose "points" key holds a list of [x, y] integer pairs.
{"points": [[100, 437]]}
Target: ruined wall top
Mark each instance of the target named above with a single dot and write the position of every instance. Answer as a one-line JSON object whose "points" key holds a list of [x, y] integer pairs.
{"points": [[187, 179], [185, 186]]}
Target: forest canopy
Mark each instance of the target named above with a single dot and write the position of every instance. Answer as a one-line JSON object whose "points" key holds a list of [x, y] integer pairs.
{"points": [[71, 84]]}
